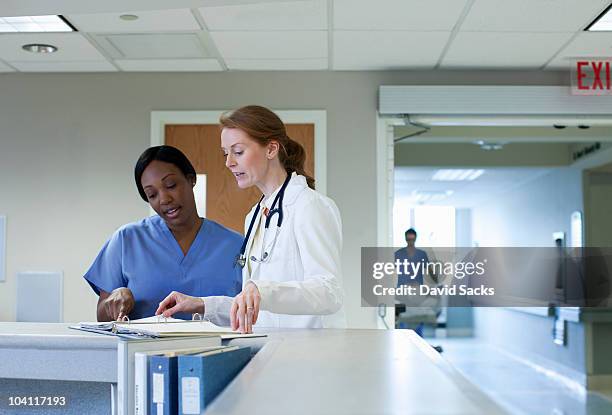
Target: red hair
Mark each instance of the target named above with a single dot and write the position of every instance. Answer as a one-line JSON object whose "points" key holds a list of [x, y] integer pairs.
{"points": [[263, 126]]}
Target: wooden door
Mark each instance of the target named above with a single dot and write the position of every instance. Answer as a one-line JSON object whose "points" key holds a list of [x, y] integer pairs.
{"points": [[226, 203]]}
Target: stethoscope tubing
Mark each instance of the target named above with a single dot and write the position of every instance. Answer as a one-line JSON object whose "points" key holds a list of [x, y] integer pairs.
{"points": [[241, 260]]}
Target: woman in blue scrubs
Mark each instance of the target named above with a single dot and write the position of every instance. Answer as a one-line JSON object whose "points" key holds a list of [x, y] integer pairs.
{"points": [[175, 250]]}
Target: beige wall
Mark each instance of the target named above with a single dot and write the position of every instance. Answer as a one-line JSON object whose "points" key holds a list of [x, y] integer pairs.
{"points": [[68, 143]]}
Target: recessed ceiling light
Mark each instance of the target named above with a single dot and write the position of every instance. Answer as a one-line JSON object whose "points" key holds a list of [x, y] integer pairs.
{"points": [[603, 22], [128, 17], [454, 175], [21, 24], [39, 48]]}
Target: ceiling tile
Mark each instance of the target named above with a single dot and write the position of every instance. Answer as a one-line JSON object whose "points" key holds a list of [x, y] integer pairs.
{"points": [[502, 50], [154, 46], [70, 66], [277, 64], [5, 68], [586, 44], [71, 47], [271, 45], [415, 15], [294, 15], [148, 21], [355, 50], [169, 65], [532, 15]]}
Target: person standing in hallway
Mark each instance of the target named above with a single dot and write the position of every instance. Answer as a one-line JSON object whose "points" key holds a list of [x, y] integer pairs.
{"points": [[414, 256], [411, 255]]}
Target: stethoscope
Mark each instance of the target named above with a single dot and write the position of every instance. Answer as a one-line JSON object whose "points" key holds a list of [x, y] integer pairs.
{"points": [[265, 255]]}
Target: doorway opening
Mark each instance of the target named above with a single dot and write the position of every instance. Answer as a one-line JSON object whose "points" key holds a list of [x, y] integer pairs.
{"points": [[503, 186]]}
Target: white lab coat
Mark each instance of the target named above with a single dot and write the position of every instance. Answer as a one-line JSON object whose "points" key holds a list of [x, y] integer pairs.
{"points": [[301, 284]]}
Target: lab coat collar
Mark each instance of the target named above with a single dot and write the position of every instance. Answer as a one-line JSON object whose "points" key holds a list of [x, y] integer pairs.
{"points": [[296, 184]]}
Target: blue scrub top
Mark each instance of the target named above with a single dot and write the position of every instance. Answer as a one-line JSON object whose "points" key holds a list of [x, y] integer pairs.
{"points": [[146, 258], [419, 256]]}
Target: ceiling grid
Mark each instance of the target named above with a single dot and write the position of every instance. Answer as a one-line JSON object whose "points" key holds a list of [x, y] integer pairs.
{"points": [[343, 35]]}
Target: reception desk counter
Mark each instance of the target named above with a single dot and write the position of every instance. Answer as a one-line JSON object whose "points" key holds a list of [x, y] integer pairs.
{"points": [[293, 372]]}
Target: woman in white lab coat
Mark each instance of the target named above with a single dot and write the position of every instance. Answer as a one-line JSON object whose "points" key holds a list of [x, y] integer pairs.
{"points": [[291, 267]]}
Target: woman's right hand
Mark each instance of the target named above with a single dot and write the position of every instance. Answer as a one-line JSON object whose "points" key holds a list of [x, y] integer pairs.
{"points": [[118, 304], [177, 302]]}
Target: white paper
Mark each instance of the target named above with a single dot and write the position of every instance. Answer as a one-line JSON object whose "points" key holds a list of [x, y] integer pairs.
{"points": [[160, 409], [190, 395], [174, 328], [158, 388]]}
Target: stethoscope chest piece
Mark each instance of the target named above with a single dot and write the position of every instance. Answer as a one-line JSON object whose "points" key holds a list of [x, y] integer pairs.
{"points": [[240, 261]]}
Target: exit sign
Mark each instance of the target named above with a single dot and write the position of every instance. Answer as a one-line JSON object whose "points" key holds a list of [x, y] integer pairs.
{"points": [[591, 76]]}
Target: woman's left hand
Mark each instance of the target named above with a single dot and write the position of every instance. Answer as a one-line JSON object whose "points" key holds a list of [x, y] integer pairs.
{"points": [[245, 309]]}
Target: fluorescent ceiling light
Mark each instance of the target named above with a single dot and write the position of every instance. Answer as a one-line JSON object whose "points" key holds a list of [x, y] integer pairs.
{"points": [[422, 196], [603, 22], [21, 24], [455, 175]]}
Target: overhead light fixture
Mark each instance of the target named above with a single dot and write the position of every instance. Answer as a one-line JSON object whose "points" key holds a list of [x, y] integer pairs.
{"points": [[37, 24], [489, 145], [128, 17], [454, 120], [602, 23], [39, 48], [422, 196], [454, 175]]}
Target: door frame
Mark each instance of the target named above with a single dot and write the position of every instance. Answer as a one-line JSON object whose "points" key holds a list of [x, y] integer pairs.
{"points": [[385, 165], [159, 120]]}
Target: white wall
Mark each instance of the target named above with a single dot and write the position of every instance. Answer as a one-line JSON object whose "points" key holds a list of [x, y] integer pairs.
{"points": [[68, 143], [463, 227], [528, 215]]}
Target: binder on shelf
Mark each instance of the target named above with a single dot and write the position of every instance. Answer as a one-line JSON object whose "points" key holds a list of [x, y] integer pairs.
{"points": [[126, 350], [142, 395], [164, 399], [141, 372], [202, 376]]}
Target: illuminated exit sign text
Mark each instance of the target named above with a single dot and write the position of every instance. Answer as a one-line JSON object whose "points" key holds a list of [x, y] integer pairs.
{"points": [[591, 76]]}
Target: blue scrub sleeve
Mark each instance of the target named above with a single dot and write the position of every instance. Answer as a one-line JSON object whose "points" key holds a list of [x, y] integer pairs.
{"points": [[106, 271]]}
